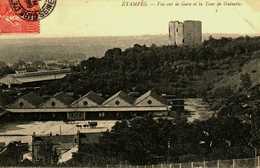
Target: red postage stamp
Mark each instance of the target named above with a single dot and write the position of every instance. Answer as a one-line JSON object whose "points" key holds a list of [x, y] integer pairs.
{"points": [[23, 16], [10, 22]]}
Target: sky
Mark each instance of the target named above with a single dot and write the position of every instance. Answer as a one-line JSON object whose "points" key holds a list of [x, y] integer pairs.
{"points": [[73, 18]]}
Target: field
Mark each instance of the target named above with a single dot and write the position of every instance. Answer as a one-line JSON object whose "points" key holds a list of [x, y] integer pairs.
{"points": [[199, 110]]}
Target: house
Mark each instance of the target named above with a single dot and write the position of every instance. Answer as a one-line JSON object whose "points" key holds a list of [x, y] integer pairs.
{"points": [[47, 149], [55, 149]]}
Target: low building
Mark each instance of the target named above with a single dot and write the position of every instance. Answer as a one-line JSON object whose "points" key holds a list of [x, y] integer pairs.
{"points": [[47, 150], [90, 106], [56, 149]]}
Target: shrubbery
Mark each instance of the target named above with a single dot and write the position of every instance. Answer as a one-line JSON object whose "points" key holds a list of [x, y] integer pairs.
{"points": [[144, 141]]}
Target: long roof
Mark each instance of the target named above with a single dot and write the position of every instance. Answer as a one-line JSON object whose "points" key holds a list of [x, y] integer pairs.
{"points": [[69, 100], [34, 76]]}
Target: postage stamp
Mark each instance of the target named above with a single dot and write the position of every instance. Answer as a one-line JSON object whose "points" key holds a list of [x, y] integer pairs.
{"points": [[23, 16]]}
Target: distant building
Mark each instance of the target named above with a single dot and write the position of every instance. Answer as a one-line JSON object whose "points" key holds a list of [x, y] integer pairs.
{"points": [[31, 77], [188, 33]]}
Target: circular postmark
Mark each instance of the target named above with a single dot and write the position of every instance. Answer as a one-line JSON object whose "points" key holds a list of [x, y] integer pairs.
{"points": [[32, 10]]}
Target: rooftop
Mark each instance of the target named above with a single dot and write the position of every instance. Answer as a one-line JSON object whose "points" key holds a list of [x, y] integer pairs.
{"points": [[152, 94], [121, 94], [92, 96], [64, 98]]}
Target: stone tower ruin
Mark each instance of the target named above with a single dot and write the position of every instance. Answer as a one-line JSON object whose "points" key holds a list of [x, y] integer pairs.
{"points": [[188, 33]]}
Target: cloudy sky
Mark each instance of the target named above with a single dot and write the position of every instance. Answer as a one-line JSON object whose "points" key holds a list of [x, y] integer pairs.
{"points": [[110, 18]]}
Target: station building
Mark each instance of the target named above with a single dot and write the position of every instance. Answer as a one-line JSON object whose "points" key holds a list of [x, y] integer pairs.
{"points": [[90, 106]]}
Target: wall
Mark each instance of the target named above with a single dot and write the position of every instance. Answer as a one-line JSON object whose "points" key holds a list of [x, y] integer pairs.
{"points": [[176, 33], [192, 33]]}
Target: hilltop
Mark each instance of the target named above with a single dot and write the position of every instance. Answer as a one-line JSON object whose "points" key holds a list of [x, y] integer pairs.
{"points": [[192, 71]]}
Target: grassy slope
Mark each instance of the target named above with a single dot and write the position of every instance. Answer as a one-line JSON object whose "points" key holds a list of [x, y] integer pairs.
{"points": [[232, 76]]}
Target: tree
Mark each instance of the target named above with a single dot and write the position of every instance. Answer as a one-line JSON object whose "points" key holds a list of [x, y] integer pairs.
{"points": [[245, 81]]}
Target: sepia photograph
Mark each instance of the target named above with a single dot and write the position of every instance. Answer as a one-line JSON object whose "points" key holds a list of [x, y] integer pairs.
{"points": [[130, 83]]}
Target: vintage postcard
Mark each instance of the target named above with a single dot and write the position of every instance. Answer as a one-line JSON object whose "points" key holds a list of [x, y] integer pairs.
{"points": [[130, 83]]}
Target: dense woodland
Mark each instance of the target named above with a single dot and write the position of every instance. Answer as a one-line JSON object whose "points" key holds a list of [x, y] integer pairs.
{"points": [[233, 132]]}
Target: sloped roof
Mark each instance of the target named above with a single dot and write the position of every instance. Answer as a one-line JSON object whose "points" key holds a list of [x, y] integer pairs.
{"points": [[64, 98], [152, 94], [32, 98], [92, 96], [122, 95], [34, 76], [10, 79]]}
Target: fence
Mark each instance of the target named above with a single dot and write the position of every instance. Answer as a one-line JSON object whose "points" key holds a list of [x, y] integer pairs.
{"points": [[235, 163]]}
